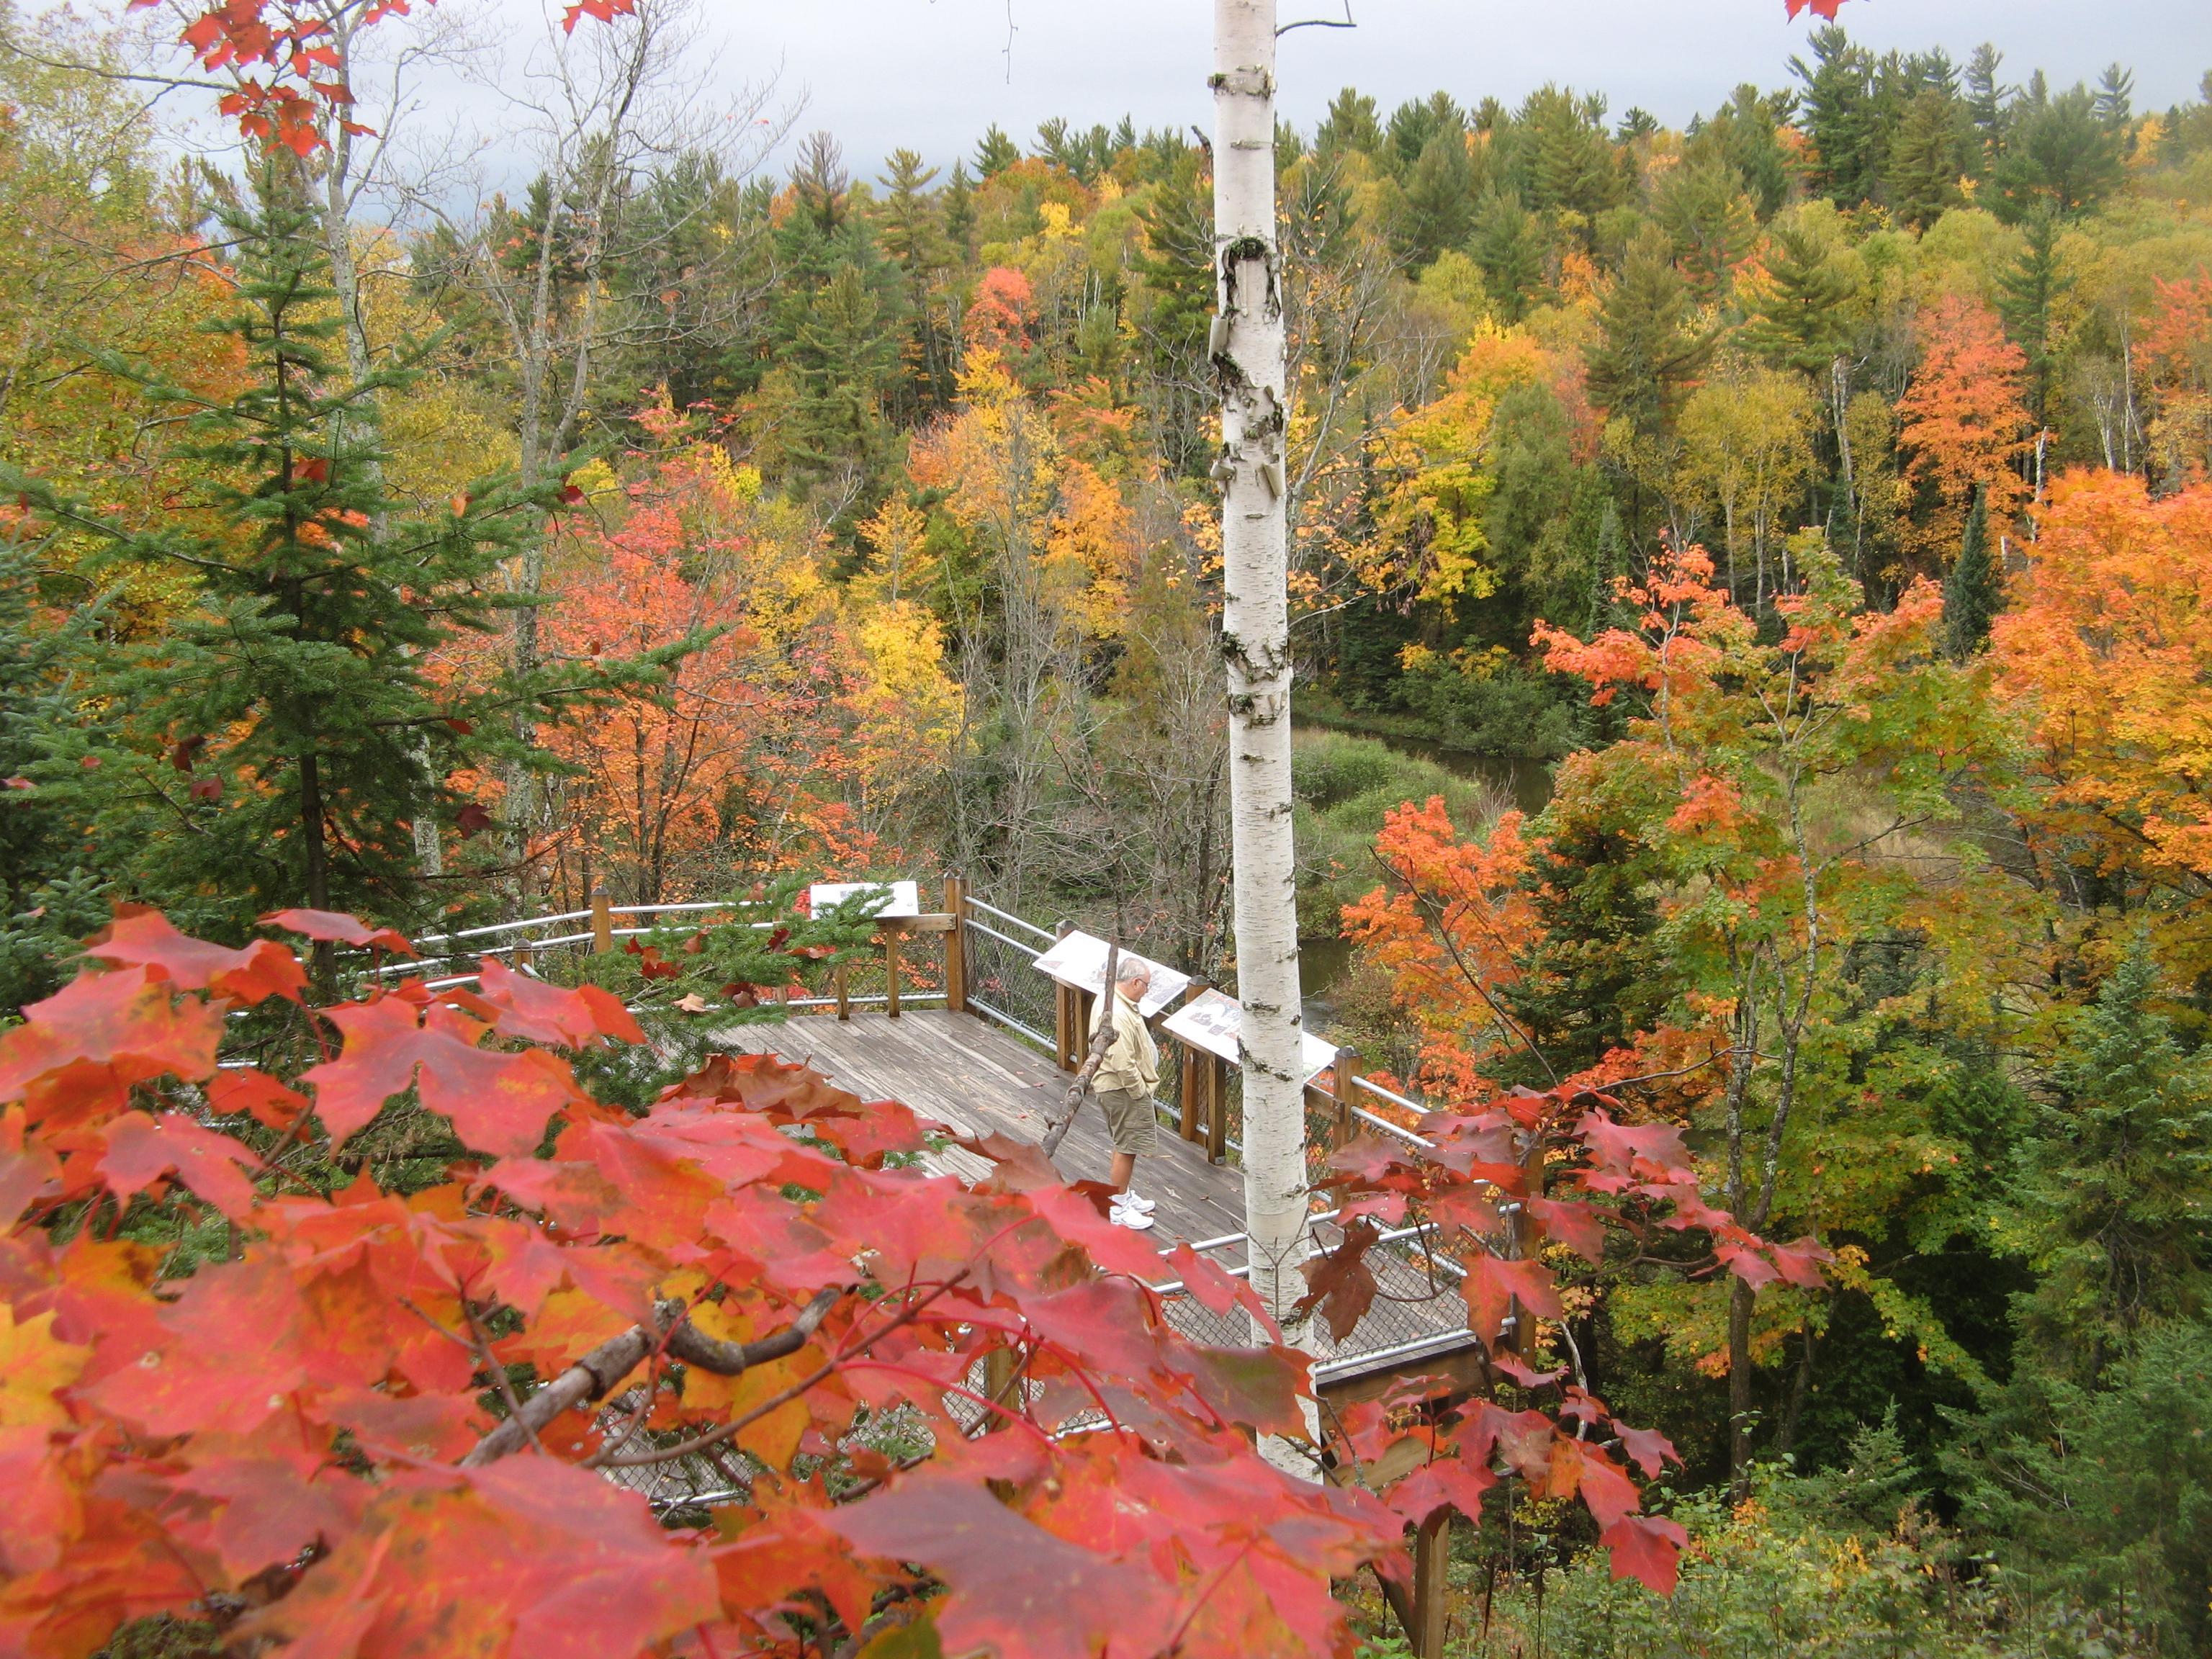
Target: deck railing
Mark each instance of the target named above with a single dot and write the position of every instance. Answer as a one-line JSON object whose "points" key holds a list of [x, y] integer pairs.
{"points": [[976, 957]]}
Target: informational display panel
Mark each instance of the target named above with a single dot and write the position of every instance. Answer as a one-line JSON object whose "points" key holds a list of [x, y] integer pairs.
{"points": [[1079, 960], [906, 896], [1214, 1022]]}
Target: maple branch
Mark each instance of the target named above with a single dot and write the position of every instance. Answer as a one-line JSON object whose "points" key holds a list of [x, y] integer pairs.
{"points": [[498, 1377], [737, 1424], [596, 1374]]}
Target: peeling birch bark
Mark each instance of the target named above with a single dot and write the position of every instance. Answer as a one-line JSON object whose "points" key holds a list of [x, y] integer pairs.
{"points": [[1247, 346]]}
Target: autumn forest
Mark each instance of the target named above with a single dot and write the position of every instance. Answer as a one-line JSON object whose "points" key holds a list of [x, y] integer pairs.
{"points": [[1749, 606]]}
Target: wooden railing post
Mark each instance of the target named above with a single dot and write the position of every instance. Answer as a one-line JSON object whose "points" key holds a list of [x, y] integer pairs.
{"points": [[890, 973], [1190, 1087], [1431, 1570], [1065, 1040], [956, 945], [844, 995], [1341, 1078], [521, 953], [603, 922], [1216, 1108]]}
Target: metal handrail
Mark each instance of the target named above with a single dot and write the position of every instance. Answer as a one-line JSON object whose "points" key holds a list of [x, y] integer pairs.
{"points": [[1397, 1130], [992, 933], [975, 903]]}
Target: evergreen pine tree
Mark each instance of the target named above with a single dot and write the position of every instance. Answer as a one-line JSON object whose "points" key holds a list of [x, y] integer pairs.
{"points": [[1973, 589], [1801, 317], [1352, 124], [268, 749], [1509, 245], [2059, 155], [48, 665], [996, 152], [1435, 208], [1985, 105], [1840, 117], [1926, 159]]}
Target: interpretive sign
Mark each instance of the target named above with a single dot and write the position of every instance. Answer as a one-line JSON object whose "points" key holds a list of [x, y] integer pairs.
{"points": [[1078, 960], [1214, 1022], [905, 900]]}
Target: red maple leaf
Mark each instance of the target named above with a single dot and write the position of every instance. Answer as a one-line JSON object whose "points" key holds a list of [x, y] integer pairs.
{"points": [[336, 927], [144, 936], [1647, 1548], [141, 1148], [1065, 1603], [498, 1102]]}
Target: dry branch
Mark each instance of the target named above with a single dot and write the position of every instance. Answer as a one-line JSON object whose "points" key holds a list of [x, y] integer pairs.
{"points": [[597, 1373], [1101, 1040]]}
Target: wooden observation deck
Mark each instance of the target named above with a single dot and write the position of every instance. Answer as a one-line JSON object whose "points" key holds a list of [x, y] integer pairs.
{"points": [[951, 1015]]}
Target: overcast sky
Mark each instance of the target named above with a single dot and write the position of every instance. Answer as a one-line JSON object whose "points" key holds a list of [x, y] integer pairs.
{"points": [[933, 74]]}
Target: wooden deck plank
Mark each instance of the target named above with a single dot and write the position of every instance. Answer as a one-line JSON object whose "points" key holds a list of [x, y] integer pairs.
{"points": [[968, 1073], [963, 1071]]}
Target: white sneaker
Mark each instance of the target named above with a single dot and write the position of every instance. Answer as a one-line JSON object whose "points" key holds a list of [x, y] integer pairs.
{"points": [[1131, 1201], [1135, 1220]]}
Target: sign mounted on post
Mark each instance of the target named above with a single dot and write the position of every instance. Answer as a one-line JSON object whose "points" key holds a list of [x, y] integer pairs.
{"points": [[1211, 1022], [905, 896], [1078, 961]]}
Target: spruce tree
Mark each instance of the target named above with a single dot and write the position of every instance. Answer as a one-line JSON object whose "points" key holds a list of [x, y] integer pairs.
{"points": [[1651, 351], [2110, 1203], [2027, 292], [1435, 208], [1973, 590], [1840, 116], [1509, 245], [268, 747]]}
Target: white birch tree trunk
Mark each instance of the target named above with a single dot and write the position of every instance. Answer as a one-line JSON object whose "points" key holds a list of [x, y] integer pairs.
{"points": [[1248, 352]]}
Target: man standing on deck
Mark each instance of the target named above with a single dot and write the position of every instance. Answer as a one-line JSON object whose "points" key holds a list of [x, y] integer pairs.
{"points": [[1126, 1077]]}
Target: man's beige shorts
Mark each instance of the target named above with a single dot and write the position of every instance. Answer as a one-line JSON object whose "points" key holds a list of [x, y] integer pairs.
{"points": [[1129, 1120]]}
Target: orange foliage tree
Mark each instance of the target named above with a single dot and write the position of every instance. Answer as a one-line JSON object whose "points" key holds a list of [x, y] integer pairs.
{"points": [[1733, 799], [736, 760], [1964, 422], [2108, 650], [2177, 353], [248, 1382]]}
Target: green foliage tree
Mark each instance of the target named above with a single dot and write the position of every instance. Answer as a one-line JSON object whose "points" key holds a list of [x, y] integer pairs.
{"points": [[2059, 155], [1710, 219], [1802, 313], [2099, 1495], [1353, 125], [1652, 349], [1841, 116], [1926, 159], [995, 152], [1745, 133], [1508, 244], [1436, 201], [2029, 291], [268, 749]]}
